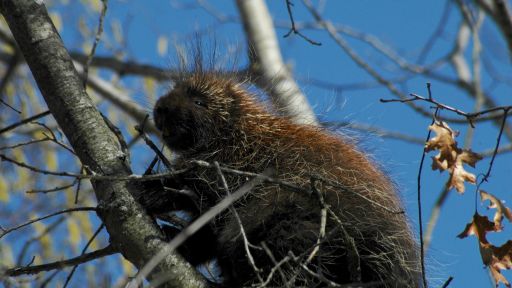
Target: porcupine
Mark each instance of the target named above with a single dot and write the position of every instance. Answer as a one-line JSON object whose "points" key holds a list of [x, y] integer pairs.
{"points": [[209, 115]]}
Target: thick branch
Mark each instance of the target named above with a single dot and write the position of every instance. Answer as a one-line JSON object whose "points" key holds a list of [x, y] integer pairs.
{"points": [[132, 232], [272, 74], [500, 12]]}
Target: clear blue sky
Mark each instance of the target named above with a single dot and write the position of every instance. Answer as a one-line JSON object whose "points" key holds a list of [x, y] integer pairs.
{"points": [[403, 25]]}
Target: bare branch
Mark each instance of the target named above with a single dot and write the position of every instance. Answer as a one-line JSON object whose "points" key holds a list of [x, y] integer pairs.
{"points": [[45, 232], [24, 121], [469, 116], [271, 74], [294, 29], [9, 230], [500, 13], [95, 43], [55, 189], [240, 224], [83, 253], [28, 270]]}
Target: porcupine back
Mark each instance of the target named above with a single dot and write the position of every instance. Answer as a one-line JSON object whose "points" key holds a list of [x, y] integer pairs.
{"points": [[365, 239]]}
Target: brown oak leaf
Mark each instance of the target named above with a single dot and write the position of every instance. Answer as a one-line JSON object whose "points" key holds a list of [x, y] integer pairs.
{"points": [[444, 141], [479, 227], [501, 260], [457, 173], [495, 258], [501, 209], [450, 157]]}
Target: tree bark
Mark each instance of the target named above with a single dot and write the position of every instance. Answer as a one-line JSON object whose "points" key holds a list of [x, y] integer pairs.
{"points": [[131, 231], [272, 74]]}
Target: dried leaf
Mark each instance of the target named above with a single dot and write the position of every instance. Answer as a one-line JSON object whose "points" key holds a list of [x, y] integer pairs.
{"points": [[501, 260], [501, 209], [479, 227], [444, 139], [459, 176], [496, 258], [469, 157], [450, 157]]}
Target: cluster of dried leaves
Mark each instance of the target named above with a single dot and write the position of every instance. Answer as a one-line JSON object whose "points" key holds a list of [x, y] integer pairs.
{"points": [[496, 258], [451, 158]]}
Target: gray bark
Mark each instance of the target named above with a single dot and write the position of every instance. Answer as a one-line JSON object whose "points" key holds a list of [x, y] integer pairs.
{"points": [[131, 231], [267, 63]]}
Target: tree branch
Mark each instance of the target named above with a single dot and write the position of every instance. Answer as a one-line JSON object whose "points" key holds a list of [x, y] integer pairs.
{"points": [[131, 231], [28, 270], [271, 73]]}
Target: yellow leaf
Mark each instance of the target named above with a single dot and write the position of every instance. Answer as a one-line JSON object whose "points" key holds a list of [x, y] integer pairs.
{"points": [[57, 21], [4, 189], [128, 267], [10, 90], [23, 179], [8, 49], [149, 86], [51, 160], [28, 89], [94, 5], [45, 241], [86, 47], [6, 255], [86, 227], [74, 236], [162, 45]]}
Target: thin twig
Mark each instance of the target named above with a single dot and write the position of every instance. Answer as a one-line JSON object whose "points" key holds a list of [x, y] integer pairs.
{"points": [[469, 116], [420, 217], [29, 242], [294, 29], [195, 226], [240, 224], [9, 230], [28, 270], [55, 189], [17, 145], [83, 253], [9, 73], [96, 41], [323, 221], [434, 216], [277, 266], [152, 145], [447, 283], [25, 121], [504, 121]]}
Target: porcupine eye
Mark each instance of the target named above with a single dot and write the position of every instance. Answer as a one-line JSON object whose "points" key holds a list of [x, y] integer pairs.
{"points": [[200, 103], [196, 96]]}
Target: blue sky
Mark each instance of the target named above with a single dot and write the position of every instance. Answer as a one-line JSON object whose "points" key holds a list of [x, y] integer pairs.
{"points": [[403, 25]]}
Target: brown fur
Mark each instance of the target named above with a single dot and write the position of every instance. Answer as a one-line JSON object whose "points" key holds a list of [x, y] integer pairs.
{"points": [[207, 116]]}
